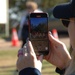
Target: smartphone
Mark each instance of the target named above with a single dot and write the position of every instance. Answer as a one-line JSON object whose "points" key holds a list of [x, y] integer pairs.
{"points": [[38, 33]]}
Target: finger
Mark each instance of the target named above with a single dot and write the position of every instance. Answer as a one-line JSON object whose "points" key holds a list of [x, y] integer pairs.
{"points": [[30, 47], [53, 40], [20, 53], [27, 39], [40, 58], [25, 50], [20, 50]]}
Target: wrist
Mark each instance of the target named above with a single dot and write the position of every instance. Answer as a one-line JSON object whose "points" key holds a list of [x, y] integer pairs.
{"points": [[65, 64]]}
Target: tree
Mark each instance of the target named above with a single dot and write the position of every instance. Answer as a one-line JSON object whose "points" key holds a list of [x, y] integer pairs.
{"points": [[17, 3], [17, 6], [47, 4], [44, 4]]}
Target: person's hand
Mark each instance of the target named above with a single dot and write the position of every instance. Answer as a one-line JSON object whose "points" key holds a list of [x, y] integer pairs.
{"points": [[27, 58], [71, 31], [58, 53]]}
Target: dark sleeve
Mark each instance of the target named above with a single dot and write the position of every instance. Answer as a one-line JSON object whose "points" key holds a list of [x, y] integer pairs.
{"points": [[30, 71], [61, 72]]}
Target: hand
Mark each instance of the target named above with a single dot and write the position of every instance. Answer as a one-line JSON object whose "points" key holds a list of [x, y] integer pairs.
{"points": [[27, 58], [58, 54], [71, 31]]}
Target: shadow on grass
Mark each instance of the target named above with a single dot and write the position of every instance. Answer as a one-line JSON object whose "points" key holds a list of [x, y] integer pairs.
{"points": [[3, 67], [8, 70]]}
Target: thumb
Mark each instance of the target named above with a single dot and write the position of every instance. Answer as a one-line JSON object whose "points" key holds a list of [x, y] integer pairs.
{"points": [[53, 40], [30, 48], [40, 58]]}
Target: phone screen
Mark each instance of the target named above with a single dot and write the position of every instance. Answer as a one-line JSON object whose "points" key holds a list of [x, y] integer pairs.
{"points": [[39, 34]]}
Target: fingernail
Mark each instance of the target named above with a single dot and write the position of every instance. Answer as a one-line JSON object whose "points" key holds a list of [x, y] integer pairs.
{"points": [[50, 33], [27, 39]]}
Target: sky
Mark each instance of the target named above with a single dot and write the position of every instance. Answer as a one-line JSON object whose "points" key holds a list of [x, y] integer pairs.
{"points": [[36, 21]]}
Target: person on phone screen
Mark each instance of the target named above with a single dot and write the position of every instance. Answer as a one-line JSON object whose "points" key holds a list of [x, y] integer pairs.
{"points": [[31, 6], [58, 54]]}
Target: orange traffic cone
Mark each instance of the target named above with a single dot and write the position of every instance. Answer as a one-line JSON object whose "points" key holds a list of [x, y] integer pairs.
{"points": [[15, 41], [55, 34]]}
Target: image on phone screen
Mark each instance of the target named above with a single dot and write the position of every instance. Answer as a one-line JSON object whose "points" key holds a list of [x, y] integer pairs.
{"points": [[39, 34]]}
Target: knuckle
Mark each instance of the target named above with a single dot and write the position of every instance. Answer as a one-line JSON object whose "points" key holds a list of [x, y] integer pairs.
{"points": [[62, 44], [20, 50], [32, 56]]}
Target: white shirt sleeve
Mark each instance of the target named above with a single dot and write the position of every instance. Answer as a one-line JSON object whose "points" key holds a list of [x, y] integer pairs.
{"points": [[21, 25], [23, 19]]}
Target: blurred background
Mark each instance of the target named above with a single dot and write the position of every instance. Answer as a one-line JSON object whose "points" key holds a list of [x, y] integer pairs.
{"points": [[11, 12]]}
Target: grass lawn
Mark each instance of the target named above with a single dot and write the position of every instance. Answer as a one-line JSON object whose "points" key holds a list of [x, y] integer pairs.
{"points": [[8, 61]]}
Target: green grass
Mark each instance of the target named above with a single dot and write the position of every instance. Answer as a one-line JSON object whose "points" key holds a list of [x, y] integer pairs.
{"points": [[8, 60]]}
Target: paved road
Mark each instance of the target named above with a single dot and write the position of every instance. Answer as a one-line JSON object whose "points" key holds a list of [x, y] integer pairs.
{"points": [[7, 45]]}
